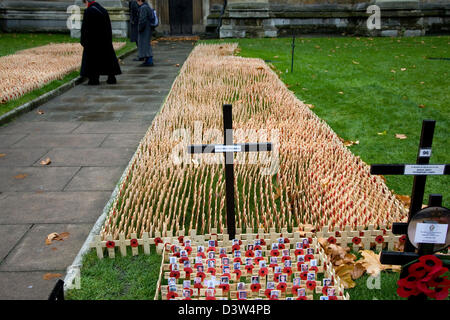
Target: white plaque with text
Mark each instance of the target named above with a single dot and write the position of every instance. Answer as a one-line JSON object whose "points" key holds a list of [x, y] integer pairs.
{"points": [[431, 233]]}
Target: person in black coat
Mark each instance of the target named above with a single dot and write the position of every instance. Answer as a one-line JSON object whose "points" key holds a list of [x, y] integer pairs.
{"points": [[134, 20], [99, 57]]}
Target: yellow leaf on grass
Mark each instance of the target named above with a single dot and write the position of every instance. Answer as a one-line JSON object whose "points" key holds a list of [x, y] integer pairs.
{"points": [[373, 265], [382, 133], [355, 62], [358, 271], [400, 136]]}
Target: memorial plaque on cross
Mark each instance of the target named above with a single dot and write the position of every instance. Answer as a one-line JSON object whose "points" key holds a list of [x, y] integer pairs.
{"points": [[228, 149], [426, 229]]}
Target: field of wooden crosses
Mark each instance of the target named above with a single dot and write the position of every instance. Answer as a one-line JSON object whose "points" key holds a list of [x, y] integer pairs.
{"points": [[31, 69]]}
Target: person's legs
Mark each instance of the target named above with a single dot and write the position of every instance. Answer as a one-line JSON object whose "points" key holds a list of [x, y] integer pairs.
{"points": [[94, 80], [111, 79]]}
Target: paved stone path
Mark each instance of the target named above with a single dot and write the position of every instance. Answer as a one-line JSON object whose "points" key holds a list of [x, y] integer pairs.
{"points": [[90, 135]]}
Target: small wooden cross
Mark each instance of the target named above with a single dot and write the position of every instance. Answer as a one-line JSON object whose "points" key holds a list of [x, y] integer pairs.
{"points": [[228, 149]]}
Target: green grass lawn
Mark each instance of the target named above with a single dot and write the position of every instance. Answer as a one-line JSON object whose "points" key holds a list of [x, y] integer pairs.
{"points": [[12, 42], [358, 87], [122, 278]]}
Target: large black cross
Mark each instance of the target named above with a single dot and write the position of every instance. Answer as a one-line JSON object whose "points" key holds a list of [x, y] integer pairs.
{"points": [[228, 149], [420, 170]]}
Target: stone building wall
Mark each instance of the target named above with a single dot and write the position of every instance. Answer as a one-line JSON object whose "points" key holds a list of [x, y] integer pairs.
{"points": [[251, 18]]}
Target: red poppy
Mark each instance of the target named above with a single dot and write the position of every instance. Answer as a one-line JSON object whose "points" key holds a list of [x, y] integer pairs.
{"points": [[158, 240], [226, 275], [435, 273], [431, 262], [263, 272], [440, 293], [225, 287], [263, 242], [298, 252], [282, 286], [284, 258], [258, 259], [361, 233], [171, 295], [384, 231], [305, 246], [273, 265], [198, 285], [181, 239], [201, 275], [267, 293], [211, 249], [274, 253], [294, 290], [337, 234], [276, 277], [223, 255], [235, 247], [299, 265], [201, 254], [210, 298], [439, 281], [134, 243], [238, 273], [255, 287], [331, 240], [356, 240], [183, 259], [302, 298], [249, 254], [309, 257], [304, 275], [287, 270], [332, 298], [249, 268], [409, 282], [281, 246], [325, 290], [110, 244], [286, 240], [417, 270], [212, 271], [402, 239], [258, 247], [188, 272], [311, 285], [314, 268], [379, 239], [237, 259], [187, 298], [189, 250], [405, 292], [175, 274]]}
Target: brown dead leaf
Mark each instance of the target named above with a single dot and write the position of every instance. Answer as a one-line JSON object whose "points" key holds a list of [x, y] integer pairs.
{"points": [[46, 162], [421, 106], [344, 272], [21, 176], [40, 111], [56, 237], [64, 235], [349, 258], [323, 242], [373, 265], [50, 276], [358, 271], [311, 106], [2, 155], [400, 136], [405, 199], [177, 65], [259, 68]]}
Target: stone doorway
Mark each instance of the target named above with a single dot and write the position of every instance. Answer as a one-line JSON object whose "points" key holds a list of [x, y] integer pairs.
{"points": [[181, 17]]}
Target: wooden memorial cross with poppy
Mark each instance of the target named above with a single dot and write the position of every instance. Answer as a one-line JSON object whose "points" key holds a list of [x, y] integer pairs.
{"points": [[228, 149], [420, 170]]}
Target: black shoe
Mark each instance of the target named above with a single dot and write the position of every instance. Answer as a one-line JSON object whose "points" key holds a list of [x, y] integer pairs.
{"points": [[111, 80], [138, 59], [147, 64]]}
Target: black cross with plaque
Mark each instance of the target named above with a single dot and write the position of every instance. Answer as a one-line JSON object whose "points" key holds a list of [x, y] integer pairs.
{"points": [[228, 149], [418, 218]]}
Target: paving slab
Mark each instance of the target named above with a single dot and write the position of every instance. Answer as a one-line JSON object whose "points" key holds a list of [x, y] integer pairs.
{"points": [[35, 178], [10, 234], [88, 157], [7, 140], [27, 285], [122, 140], [20, 127], [21, 157], [32, 253], [61, 140], [95, 179], [51, 207]]}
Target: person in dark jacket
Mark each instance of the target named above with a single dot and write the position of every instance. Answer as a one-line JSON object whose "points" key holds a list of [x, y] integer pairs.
{"points": [[99, 57], [146, 16], [134, 20]]}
